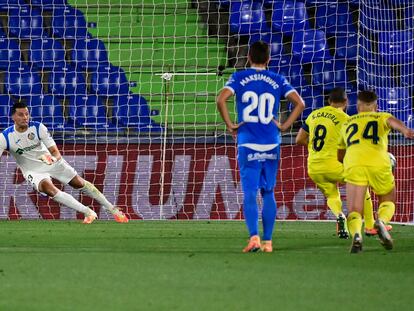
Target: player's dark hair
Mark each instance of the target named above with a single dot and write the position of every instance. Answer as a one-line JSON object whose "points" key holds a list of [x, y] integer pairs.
{"points": [[18, 105], [337, 95], [367, 96], [259, 52]]}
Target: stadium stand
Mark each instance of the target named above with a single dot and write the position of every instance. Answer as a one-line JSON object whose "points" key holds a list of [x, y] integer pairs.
{"points": [[51, 61]]}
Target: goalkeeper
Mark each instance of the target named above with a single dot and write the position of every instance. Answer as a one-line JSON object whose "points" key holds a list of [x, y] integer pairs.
{"points": [[39, 159]]}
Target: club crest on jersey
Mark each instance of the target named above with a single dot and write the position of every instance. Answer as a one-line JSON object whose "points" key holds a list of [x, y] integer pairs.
{"points": [[31, 136]]}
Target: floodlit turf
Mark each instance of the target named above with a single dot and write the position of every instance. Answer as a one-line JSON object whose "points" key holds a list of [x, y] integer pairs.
{"points": [[197, 266]]}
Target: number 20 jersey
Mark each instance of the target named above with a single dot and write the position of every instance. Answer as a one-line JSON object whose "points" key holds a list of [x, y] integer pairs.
{"points": [[258, 93], [324, 126], [365, 138]]}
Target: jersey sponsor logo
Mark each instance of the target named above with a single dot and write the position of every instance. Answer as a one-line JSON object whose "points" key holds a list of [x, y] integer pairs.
{"points": [[31, 136], [261, 156], [260, 77], [25, 149]]}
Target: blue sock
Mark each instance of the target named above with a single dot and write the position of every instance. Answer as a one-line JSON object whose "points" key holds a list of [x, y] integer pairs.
{"points": [[251, 212], [268, 214]]}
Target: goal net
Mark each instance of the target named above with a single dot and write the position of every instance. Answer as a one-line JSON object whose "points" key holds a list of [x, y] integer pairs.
{"points": [[127, 89]]}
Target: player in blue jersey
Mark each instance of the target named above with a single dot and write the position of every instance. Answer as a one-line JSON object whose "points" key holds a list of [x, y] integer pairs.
{"points": [[258, 92]]}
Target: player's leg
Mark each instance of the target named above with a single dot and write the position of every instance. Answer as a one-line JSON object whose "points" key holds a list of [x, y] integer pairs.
{"points": [[46, 186], [369, 215], [327, 183], [383, 184], [65, 173], [355, 195], [269, 209], [250, 175], [90, 190]]}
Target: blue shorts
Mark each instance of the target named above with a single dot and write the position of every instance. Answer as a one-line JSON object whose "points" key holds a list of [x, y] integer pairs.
{"points": [[258, 170]]}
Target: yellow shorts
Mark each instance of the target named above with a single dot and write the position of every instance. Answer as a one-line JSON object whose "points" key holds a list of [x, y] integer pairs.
{"points": [[327, 181], [381, 180]]}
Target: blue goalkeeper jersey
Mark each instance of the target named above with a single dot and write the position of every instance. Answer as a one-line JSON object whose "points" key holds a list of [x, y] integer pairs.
{"points": [[258, 93]]}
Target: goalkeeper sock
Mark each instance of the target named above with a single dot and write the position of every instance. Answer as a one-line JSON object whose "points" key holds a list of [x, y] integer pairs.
{"points": [[386, 211], [354, 223], [268, 214], [91, 191], [251, 213], [368, 212], [335, 205], [69, 201]]}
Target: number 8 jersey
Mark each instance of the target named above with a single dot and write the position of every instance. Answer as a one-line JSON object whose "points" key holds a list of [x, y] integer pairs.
{"points": [[258, 93], [324, 126], [365, 138]]}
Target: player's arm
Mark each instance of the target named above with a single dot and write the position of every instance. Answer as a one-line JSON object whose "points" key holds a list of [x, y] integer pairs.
{"points": [[46, 138], [299, 106], [399, 126], [3, 144], [341, 148], [302, 138], [222, 98]]}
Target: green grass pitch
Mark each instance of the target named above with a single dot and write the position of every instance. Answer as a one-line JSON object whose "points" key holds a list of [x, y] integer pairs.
{"points": [[179, 265]]}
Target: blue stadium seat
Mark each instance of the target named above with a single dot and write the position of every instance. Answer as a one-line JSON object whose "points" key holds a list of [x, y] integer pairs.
{"points": [[289, 16], [2, 33], [352, 103], [346, 46], [69, 23], [48, 3], [25, 22], [406, 76], [329, 74], [373, 73], [48, 110], [334, 18], [314, 99], [21, 82], [396, 47], [5, 4], [47, 53], [377, 17], [397, 101], [132, 111], [409, 17], [109, 81], [89, 54], [89, 112], [292, 71], [275, 42], [247, 18], [9, 54], [5, 109], [66, 82], [310, 46]]}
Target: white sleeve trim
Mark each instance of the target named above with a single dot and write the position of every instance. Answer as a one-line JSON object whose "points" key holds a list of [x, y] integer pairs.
{"points": [[230, 88], [288, 92], [45, 136]]}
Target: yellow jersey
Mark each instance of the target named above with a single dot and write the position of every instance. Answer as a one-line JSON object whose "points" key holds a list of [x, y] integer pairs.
{"points": [[365, 138], [324, 126]]}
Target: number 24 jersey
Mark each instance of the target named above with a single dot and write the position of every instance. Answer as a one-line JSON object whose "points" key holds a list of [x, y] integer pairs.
{"points": [[365, 138]]}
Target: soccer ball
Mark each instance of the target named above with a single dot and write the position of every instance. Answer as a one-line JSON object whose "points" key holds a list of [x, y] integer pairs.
{"points": [[393, 161]]}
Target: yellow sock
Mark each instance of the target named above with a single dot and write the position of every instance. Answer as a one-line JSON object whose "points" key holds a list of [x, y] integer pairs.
{"points": [[335, 205], [354, 223], [368, 212], [386, 211]]}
